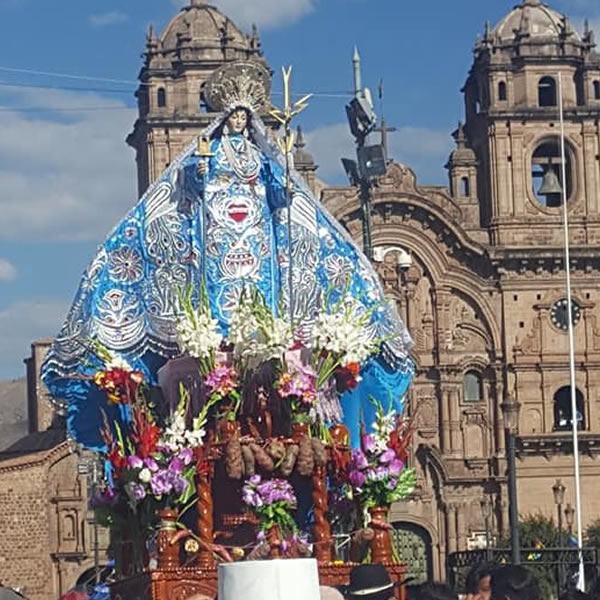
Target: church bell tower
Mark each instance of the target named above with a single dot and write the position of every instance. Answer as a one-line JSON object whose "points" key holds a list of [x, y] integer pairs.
{"points": [[512, 124], [197, 41]]}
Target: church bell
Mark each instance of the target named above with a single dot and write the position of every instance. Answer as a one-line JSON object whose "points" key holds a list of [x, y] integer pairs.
{"points": [[550, 183]]}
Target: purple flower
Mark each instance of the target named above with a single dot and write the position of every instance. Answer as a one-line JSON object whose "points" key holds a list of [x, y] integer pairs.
{"points": [[388, 456], [107, 497], [176, 465], [356, 479], [160, 483], [395, 467], [254, 480], [186, 455], [135, 462], [368, 443], [139, 493], [382, 473], [151, 464], [392, 483], [359, 459], [180, 484], [370, 475]]}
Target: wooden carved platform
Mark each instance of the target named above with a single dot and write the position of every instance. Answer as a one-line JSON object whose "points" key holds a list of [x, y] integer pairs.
{"points": [[185, 582]]}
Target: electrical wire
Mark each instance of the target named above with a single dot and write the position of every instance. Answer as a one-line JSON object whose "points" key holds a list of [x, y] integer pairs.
{"points": [[333, 94]]}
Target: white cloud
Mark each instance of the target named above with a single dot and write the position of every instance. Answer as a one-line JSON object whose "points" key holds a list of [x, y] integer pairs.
{"points": [[424, 150], [7, 270], [264, 13], [113, 17], [67, 179], [22, 323]]}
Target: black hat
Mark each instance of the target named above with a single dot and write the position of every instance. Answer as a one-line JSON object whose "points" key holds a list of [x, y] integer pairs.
{"points": [[369, 582]]}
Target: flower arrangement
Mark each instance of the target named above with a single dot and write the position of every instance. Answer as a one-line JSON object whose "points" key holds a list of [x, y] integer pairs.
{"points": [[272, 501], [377, 472], [152, 459], [298, 386], [342, 341]]}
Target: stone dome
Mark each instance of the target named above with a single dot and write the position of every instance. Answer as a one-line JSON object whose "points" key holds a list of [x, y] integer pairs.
{"points": [[201, 24], [533, 18]]}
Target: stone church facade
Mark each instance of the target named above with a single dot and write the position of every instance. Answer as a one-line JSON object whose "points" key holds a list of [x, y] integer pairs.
{"points": [[476, 269], [484, 295]]}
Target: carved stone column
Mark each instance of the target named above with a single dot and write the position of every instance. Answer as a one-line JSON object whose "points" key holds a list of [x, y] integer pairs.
{"points": [[445, 405], [451, 529], [461, 531], [455, 421]]}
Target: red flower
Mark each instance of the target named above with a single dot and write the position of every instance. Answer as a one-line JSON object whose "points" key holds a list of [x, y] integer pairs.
{"points": [[347, 377], [117, 460], [145, 433], [120, 385]]}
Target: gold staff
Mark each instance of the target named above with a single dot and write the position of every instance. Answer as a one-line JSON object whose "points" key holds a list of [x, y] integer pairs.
{"points": [[284, 116]]}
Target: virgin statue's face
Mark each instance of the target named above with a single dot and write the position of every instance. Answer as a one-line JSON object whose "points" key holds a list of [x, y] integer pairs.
{"points": [[237, 121]]}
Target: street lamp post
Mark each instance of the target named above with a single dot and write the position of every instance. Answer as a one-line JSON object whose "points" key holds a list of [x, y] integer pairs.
{"points": [[510, 411], [486, 510], [558, 489], [570, 518]]}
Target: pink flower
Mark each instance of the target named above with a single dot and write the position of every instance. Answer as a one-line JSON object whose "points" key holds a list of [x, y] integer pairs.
{"points": [[135, 462], [388, 456], [395, 467], [222, 380], [356, 479], [358, 459], [368, 443]]}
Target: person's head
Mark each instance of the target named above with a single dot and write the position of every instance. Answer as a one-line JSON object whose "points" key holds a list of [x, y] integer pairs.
{"points": [[514, 582], [479, 580], [369, 582], [238, 120], [432, 591]]}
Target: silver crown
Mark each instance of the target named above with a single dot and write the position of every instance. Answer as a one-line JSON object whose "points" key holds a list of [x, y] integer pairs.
{"points": [[240, 84]]}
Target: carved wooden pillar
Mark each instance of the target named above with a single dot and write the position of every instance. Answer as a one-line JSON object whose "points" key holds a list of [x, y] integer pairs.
{"points": [[205, 515], [168, 554], [322, 530]]}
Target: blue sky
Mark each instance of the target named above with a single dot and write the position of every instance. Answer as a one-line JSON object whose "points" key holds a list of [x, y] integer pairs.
{"points": [[67, 176]]}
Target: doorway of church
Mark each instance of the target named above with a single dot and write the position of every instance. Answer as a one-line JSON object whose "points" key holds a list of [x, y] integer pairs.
{"points": [[413, 547]]}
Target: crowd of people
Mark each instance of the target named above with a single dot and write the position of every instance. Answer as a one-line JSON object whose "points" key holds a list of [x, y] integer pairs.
{"points": [[487, 581]]}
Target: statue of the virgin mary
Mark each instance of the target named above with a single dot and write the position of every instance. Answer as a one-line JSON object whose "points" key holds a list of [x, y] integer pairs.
{"points": [[220, 218]]}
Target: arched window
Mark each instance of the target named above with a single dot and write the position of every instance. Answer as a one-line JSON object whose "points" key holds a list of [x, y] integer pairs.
{"points": [[547, 92], [161, 97], [562, 409], [596, 90], [465, 189], [502, 90], [472, 387]]}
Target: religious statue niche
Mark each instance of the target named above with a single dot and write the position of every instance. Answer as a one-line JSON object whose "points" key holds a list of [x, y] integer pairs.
{"points": [[423, 330]]}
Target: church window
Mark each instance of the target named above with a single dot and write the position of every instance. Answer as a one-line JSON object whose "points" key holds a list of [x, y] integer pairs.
{"points": [[472, 387], [596, 90], [546, 173], [502, 90], [465, 188], [547, 92], [161, 97], [563, 414]]}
